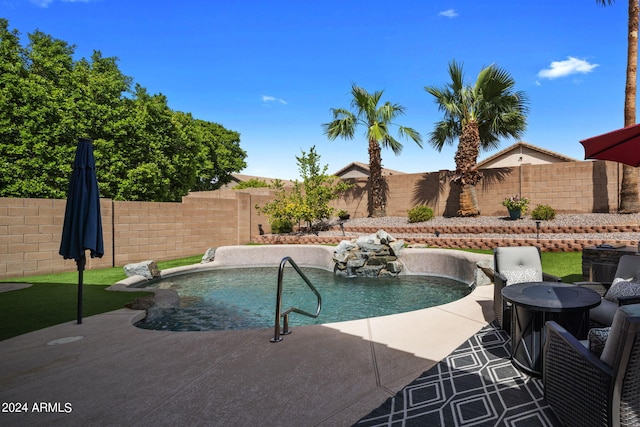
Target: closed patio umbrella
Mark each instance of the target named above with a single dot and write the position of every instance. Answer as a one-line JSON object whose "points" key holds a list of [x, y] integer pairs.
{"points": [[622, 146], [82, 229]]}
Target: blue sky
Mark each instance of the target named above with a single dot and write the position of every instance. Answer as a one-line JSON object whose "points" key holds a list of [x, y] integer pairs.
{"points": [[272, 70]]}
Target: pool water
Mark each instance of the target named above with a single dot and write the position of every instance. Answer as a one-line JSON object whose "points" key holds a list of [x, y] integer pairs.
{"points": [[245, 298]]}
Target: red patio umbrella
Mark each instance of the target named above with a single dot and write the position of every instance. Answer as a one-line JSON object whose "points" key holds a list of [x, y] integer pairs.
{"points": [[622, 146]]}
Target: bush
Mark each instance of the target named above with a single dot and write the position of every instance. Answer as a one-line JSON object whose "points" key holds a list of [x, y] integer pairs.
{"points": [[252, 183], [420, 214], [281, 226], [543, 212]]}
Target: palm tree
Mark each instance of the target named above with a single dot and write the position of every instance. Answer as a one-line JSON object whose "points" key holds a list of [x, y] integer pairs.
{"points": [[376, 120], [478, 116], [629, 202]]}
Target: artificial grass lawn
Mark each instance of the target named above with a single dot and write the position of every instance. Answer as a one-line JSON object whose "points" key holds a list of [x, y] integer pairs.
{"points": [[53, 298], [565, 265]]}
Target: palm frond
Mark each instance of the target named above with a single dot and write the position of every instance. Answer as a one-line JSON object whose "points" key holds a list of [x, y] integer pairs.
{"points": [[395, 145], [405, 132], [446, 132], [343, 125]]}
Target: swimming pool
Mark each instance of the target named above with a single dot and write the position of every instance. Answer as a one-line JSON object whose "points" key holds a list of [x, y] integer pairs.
{"points": [[244, 298]]}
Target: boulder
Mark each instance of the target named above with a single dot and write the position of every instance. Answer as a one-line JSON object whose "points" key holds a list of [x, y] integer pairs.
{"points": [[371, 255], [208, 256], [147, 269]]}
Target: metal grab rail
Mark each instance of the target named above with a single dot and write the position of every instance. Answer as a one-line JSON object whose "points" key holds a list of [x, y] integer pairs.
{"points": [[285, 328]]}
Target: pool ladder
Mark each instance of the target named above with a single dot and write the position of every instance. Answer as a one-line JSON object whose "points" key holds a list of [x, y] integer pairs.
{"points": [[277, 336]]}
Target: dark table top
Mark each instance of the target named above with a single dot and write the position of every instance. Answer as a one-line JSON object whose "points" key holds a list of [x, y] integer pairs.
{"points": [[551, 296]]}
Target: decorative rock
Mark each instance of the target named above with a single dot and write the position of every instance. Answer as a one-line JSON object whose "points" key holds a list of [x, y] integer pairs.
{"points": [[370, 270], [384, 237], [394, 267], [484, 273], [372, 255], [208, 256], [142, 303], [146, 269], [396, 247]]}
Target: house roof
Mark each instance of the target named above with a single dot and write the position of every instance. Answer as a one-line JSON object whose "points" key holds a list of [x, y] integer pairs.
{"points": [[364, 168], [523, 145]]}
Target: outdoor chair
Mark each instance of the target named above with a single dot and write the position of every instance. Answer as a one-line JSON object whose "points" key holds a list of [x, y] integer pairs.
{"points": [[624, 289], [586, 390], [515, 265]]}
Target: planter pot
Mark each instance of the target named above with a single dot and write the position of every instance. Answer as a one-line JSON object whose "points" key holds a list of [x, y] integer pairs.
{"points": [[514, 213], [344, 217]]}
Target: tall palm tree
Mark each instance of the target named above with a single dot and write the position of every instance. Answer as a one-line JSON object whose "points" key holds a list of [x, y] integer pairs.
{"points": [[629, 202], [478, 116], [376, 120]]}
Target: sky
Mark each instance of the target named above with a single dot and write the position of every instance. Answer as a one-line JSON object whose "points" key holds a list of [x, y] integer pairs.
{"points": [[273, 70]]}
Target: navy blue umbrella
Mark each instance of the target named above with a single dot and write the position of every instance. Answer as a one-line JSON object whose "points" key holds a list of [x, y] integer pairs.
{"points": [[82, 227]]}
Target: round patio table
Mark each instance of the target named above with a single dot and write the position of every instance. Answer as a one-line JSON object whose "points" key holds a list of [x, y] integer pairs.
{"points": [[535, 303]]}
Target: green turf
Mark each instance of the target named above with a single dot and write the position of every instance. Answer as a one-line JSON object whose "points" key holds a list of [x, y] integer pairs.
{"points": [[53, 298], [48, 304]]}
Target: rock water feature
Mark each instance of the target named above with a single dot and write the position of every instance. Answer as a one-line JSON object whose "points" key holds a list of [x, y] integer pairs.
{"points": [[373, 255]]}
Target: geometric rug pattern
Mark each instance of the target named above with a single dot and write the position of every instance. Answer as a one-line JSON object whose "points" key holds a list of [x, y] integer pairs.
{"points": [[476, 385]]}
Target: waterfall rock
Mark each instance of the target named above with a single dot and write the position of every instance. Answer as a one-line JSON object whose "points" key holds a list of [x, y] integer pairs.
{"points": [[373, 255]]}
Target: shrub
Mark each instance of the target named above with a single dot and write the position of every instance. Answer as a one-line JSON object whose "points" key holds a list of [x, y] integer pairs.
{"points": [[252, 183], [281, 226], [420, 213], [543, 212]]}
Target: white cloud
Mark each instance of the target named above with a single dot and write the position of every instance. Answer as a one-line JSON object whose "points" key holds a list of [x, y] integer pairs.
{"points": [[566, 68], [449, 13], [46, 3], [42, 3], [266, 99]]}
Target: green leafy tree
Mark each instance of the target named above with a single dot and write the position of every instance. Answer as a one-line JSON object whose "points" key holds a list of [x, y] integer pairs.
{"points": [[309, 199], [629, 199], [144, 150], [220, 155], [478, 116], [376, 119], [13, 74], [251, 183]]}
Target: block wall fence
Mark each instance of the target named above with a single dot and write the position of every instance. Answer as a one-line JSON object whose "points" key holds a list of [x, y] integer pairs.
{"points": [[572, 187], [30, 229]]}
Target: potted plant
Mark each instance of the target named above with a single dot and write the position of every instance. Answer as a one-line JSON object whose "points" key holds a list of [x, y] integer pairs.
{"points": [[516, 206], [343, 215]]}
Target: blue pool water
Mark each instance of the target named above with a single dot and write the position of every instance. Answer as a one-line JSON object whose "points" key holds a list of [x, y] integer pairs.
{"points": [[245, 298]]}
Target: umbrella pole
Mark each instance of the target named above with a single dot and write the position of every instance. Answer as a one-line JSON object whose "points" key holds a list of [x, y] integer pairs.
{"points": [[81, 263]]}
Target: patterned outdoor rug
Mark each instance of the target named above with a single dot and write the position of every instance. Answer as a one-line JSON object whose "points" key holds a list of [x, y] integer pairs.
{"points": [[476, 385]]}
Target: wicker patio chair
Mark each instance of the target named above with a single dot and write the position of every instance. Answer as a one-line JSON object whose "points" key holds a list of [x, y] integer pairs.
{"points": [[586, 390], [515, 265], [616, 295]]}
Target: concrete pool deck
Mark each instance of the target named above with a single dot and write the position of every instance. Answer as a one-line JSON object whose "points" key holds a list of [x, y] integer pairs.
{"points": [[322, 375], [108, 372]]}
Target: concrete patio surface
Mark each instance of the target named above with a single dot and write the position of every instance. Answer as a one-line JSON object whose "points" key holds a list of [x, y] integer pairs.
{"points": [[108, 372]]}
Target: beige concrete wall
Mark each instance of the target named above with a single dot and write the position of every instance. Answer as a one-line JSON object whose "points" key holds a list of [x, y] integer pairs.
{"points": [[571, 187], [30, 232], [31, 229]]}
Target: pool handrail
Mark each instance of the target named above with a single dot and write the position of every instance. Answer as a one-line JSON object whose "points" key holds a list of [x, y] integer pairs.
{"points": [[277, 337]]}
